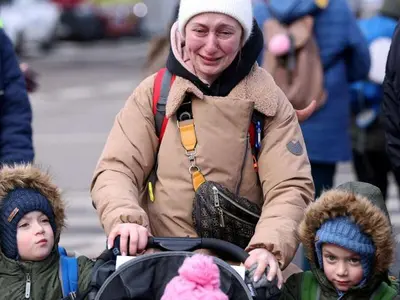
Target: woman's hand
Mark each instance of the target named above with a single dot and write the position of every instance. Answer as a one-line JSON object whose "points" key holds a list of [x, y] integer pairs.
{"points": [[263, 258], [137, 235]]}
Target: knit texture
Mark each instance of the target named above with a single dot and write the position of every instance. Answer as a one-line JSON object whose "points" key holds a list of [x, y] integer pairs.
{"points": [[344, 233], [16, 204], [240, 10]]}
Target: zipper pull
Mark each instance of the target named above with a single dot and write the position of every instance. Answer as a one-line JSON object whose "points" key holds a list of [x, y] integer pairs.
{"points": [[216, 198], [28, 286], [221, 218], [217, 206]]}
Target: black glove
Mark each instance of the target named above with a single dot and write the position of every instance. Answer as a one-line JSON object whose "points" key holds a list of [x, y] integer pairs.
{"points": [[271, 287]]}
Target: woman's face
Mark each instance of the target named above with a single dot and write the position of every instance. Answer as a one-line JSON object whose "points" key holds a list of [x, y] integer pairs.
{"points": [[212, 41]]}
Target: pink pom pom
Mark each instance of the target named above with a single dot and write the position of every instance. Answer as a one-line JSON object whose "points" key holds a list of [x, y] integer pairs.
{"points": [[198, 280], [201, 270], [279, 44]]}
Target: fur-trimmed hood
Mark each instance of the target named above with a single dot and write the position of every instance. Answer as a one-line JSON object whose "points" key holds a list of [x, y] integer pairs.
{"points": [[28, 176], [365, 205]]}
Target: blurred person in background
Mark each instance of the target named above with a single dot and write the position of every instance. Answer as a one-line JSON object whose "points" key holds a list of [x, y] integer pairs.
{"points": [[159, 48], [16, 144], [391, 103], [365, 8], [345, 58], [370, 159]]}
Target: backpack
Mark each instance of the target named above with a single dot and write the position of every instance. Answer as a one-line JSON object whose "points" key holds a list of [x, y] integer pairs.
{"points": [[310, 289], [162, 84], [69, 274], [299, 72]]}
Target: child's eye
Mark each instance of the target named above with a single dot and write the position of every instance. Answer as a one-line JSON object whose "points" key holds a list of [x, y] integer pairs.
{"points": [[354, 260], [23, 225], [45, 221], [330, 258]]}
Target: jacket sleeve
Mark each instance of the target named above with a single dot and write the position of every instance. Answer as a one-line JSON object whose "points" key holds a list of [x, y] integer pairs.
{"points": [[285, 176], [357, 53], [291, 288], [15, 110], [126, 162], [391, 103], [85, 266]]}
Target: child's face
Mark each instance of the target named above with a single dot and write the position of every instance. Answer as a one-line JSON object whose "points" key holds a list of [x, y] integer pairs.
{"points": [[342, 267], [35, 237]]}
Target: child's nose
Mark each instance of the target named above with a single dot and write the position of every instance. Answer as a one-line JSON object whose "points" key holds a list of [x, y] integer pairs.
{"points": [[39, 228], [341, 269]]}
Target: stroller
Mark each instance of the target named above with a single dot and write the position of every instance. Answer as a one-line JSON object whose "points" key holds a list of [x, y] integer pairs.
{"points": [[146, 276]]}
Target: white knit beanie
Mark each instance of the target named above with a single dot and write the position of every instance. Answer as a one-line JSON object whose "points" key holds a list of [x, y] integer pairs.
{"points": [[240, 10]]}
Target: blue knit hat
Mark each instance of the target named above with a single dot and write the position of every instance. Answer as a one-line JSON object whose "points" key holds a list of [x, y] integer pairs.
{"points": [[343, 232], [14, 207]]}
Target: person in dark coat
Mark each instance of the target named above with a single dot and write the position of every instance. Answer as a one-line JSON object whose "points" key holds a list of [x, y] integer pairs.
{"points": [[16, 144], [370, 159], [391, 103]]}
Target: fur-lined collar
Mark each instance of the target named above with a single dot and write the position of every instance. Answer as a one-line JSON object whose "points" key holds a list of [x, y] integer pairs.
{"points": [[371, 219], [28, 176], [257, 87]]}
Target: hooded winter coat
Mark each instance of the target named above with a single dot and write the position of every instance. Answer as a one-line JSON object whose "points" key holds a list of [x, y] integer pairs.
{"points": [[366, 207], [222, 114], [43, 275]]}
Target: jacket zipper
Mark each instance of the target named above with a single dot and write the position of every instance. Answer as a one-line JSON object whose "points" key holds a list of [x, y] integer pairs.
{"points": [[222, 211], [245, 154], [235, 204], [218, 207], [28, 286], [237, 218]]}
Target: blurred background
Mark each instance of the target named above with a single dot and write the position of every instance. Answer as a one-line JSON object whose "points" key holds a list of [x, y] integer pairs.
{"points": [[38, 27], [89, 56]]}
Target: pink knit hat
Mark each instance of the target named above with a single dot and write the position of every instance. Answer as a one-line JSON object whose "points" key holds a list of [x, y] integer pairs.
{"points": [[198, 280]]}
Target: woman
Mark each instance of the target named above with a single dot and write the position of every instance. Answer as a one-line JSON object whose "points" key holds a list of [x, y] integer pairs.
{"points": [[215, 45]]}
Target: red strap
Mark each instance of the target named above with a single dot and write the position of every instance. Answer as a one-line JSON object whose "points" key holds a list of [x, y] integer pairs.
{"points": [[156, 97], [157, 88], [252, 135]]}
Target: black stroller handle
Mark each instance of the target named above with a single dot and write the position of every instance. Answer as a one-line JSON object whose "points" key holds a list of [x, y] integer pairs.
{"points": [[192, 244]]}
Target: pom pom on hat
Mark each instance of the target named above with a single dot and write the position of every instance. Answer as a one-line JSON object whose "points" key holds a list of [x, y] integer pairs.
{"points": [[198, 280]]}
